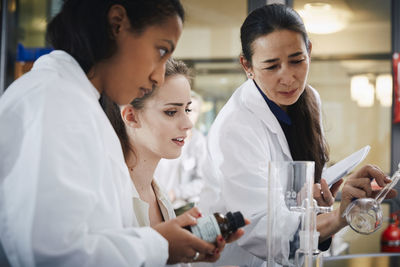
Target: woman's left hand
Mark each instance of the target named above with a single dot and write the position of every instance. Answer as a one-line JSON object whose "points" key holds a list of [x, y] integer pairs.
{"points": [[220, 243], [325, 196]]}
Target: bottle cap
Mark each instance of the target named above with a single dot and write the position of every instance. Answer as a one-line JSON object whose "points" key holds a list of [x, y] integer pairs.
{"points": [[236, 220]]}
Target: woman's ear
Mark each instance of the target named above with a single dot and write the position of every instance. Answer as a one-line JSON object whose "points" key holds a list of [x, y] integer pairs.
{"points": [[118, 19], [246, 65], [130, 116]]}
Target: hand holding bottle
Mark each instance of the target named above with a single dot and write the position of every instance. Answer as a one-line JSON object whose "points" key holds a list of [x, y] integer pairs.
{"points": [[183, 245], [218, 229]]}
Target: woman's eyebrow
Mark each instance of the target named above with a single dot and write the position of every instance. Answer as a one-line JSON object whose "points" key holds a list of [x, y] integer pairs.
{"points": [[296, 54], [174, 104], [277, 59], [270, 60], [178, 104]]}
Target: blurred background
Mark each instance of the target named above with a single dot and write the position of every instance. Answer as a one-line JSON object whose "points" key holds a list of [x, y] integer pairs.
{"points": [[353, 44]]}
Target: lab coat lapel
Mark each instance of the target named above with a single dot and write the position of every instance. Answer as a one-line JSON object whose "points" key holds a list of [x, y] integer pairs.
{"points": [[254, 101]]}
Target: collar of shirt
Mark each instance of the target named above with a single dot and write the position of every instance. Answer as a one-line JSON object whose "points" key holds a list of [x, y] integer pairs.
{"points": [[279, 113], [141, 208]]}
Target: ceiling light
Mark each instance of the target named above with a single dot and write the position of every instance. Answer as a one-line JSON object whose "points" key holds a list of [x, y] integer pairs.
{"points": [[384, 89], [322, 18], [362, 91], [366, 97], [358, 83]]}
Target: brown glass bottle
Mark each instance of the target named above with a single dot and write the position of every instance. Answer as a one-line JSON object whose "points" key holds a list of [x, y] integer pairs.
{"points": [[209, 227]]}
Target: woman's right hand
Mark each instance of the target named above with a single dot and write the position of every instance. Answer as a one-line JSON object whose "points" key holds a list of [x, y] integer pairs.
{"points": [[182, 244]]}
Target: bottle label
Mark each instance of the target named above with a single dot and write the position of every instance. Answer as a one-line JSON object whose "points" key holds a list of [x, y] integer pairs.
{"points": [[207, 229]]}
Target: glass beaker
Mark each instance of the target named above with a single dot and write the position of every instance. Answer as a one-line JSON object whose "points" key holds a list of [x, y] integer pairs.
{"points": [[289, 184]]}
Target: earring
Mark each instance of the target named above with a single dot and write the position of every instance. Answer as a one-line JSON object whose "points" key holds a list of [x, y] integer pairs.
{"points": [[250, 75]]}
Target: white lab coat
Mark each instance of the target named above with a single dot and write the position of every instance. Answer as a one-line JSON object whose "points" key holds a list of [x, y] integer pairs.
{"points": [[242, 140], [65, 191]]}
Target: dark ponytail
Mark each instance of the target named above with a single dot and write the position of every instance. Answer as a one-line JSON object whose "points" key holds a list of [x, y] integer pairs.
{"points": [[309, 143], [82, 29]]}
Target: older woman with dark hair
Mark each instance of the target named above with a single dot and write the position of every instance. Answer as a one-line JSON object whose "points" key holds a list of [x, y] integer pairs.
{"points": [[273, 116]]}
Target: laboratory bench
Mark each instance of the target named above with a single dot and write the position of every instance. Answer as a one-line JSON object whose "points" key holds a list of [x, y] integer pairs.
{"points": [[363, 260]]}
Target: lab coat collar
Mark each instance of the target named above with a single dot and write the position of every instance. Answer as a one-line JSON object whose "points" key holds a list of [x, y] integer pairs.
{"points": [[254, 101], [68, 66]]}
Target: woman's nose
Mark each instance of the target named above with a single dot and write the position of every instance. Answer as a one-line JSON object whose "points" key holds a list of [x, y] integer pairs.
{"points": [[158, 75], [187, 123], [287, 78]]}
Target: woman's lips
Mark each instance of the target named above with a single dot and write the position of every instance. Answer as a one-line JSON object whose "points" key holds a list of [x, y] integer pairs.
{"points": [[290, 93], [179, 141]]}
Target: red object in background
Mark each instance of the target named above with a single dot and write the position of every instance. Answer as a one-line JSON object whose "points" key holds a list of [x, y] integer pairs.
{"points": [[390, 238], [396, 83]]}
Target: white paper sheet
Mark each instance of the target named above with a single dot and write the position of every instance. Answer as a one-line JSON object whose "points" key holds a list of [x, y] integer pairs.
{"points": [[346, 165]]}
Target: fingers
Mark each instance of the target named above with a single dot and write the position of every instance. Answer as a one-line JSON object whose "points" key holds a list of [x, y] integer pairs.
{"points": [[205, 248], [193, 256], [372, 172], [335, 187], [195, 212], [186, 219], [220, 243], [194, 245], [326, 193], [217, 252], [182, 244], [238, 234], [363, 184], [235, 236], [201, 246], [317, 193], [354, 192], [210, 257], [322, 194]]}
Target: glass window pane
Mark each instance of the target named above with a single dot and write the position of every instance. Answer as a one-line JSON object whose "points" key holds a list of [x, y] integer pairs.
{"points": [[210, 44], [360, 33]]}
